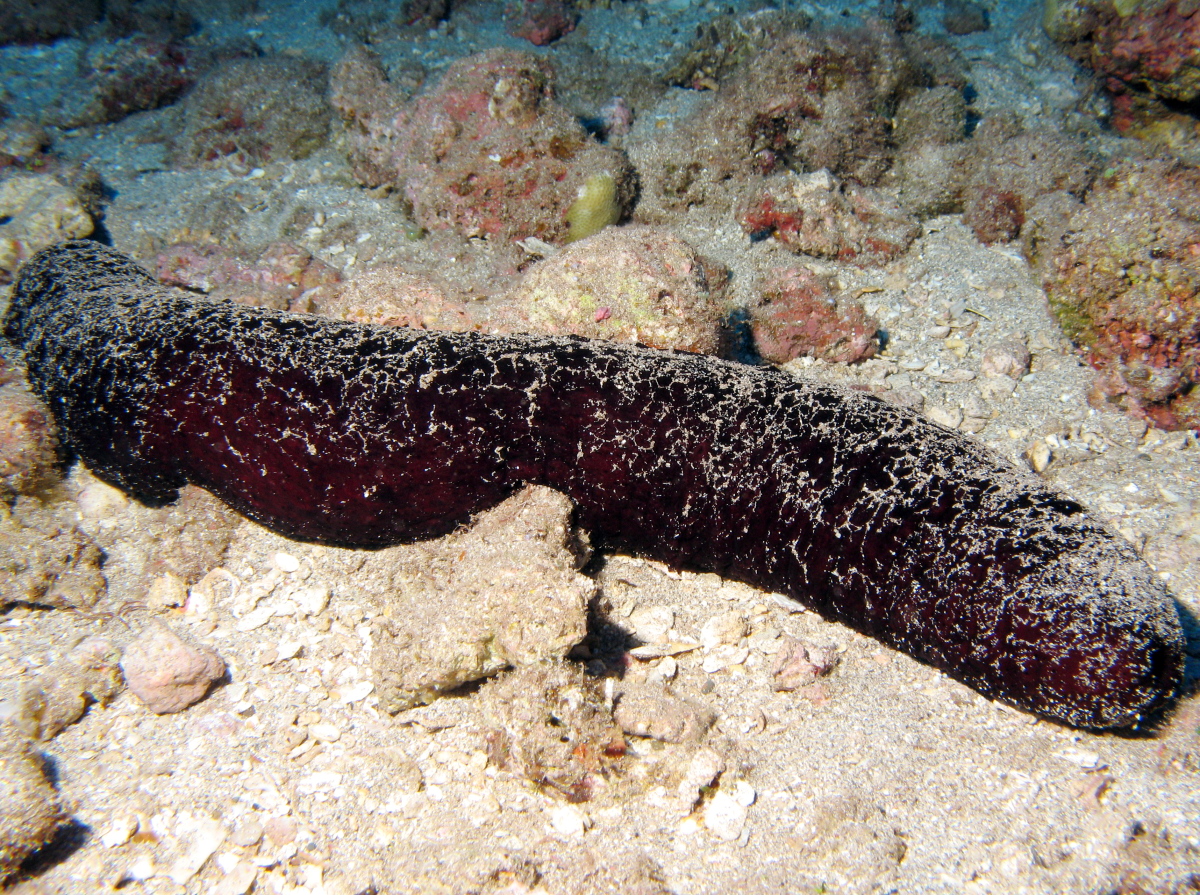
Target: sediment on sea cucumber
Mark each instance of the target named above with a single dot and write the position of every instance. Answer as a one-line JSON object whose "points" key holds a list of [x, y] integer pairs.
{"points": [[365, 436]]}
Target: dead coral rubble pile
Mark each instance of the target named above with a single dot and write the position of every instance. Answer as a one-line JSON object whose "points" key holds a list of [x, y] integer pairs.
{"points": [[809, 101]]}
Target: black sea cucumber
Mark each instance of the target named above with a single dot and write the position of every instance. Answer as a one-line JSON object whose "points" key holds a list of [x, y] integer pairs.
{"points": [[365, 436]]}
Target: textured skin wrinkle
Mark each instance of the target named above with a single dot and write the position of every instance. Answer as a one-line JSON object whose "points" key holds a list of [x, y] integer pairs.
{"points": [[363, 436]]}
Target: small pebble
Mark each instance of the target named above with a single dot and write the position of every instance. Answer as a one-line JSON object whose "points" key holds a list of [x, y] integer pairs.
{"points": [[167, 592], [725, 816], [651, 624], [167, 673], [798, 664], [567, 820], [650, 711], [280, 830], [704, 768], [119, 831], [238, 880], [248, 833], [744, 794], [139, 871], [950, 417], [725, 656], [1040, 456], [723, 630], [324, 732], [312, 600], [1009, 359]]}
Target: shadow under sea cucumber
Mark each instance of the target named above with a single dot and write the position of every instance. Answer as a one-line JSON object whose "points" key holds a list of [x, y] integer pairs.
{"points": [[365, 436]]}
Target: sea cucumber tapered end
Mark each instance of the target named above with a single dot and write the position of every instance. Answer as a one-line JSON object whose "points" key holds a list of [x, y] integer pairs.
{"points": [[1117, 652]]}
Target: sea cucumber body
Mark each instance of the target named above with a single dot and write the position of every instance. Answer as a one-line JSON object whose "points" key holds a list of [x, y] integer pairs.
{"points": [[365, 436]]}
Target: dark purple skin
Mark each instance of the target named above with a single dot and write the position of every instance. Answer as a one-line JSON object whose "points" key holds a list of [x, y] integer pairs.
{"points": [[365, 436]]}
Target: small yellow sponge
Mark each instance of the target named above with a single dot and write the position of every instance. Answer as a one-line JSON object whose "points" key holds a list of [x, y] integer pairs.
{"points": [[595, 208]]}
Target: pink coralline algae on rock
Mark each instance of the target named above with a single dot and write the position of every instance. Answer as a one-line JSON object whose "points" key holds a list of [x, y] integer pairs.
{"points": [[250, 111], [813, 214], [1151, 45], [132, 74], [28, 440], [540, 21], [797, 316], [486, 151], [1124, 282], [389, 295], [625, 284], [167, 673], [276, 277]]}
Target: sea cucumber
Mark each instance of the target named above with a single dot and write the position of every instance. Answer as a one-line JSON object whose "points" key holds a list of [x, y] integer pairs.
{"points": [[364, 436]]}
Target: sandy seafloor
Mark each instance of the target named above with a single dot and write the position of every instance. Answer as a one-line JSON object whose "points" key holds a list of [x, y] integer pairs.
{"points": [[888, 778]]}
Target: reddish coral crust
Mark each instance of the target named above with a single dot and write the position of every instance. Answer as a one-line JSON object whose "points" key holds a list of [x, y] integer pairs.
{"points": [[1124, 283], [797, 316]]}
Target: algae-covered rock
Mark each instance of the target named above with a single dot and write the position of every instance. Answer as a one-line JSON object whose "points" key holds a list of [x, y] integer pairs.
{"points": [[37, 211], [57, 697], [814, 214], [46, 562], [390, 295], [552, 724], [627, 284], [486, 151], [1123, 281], [505, 592], [807, 101], [249, 111], [166, 672], [30, 809], [797, 315], [28, 439], [1151, 45]]}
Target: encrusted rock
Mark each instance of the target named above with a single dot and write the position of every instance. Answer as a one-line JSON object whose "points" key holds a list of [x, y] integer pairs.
{"points": [[646, 710], [1151, 45], [504, 592], [249, 111], [626, 284], [28, 440], [167, 673], [814, 214], [486, 151], [273, 277], [60, 694], [1124, 283], [37, 210], [1007, 358], [390, 295], [118, 77], [798, 315], [550, 723], [30, 809], [1011, 168], [798, 664], [46, 562], [805, 100]]}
